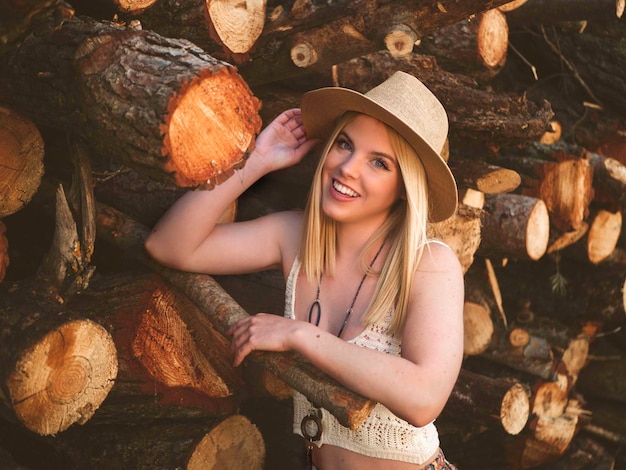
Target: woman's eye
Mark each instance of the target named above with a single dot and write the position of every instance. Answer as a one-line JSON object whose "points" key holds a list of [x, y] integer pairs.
{"points": [[381, 163], [343, 144]]}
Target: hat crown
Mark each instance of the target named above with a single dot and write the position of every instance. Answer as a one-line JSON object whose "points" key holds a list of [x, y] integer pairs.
{"points": [[409, 100]]}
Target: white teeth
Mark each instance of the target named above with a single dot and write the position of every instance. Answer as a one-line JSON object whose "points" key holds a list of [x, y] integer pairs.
{"points": [[344, 189]]}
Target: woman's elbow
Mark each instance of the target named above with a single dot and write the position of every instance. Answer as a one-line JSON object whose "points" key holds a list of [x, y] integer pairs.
{"points": [[159, 251]]}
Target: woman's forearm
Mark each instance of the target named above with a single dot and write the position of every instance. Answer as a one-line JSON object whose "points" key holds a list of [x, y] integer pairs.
{"points": [[182, 229]]}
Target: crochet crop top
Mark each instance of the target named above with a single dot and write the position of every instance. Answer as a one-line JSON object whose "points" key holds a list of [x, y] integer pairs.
{"points": [[382, 435]]}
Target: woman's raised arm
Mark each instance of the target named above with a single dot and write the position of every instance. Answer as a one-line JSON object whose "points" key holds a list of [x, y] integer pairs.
{"points": [[187, 236]]}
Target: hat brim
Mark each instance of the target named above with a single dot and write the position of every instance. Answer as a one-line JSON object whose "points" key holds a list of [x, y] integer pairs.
{"points": [[322, 107]]}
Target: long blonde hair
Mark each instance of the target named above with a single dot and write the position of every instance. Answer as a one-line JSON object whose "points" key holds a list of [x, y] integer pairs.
{"points": [[404, 231]]}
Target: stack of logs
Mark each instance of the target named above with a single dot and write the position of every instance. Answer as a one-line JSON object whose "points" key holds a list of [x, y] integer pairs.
{"points": [[109, 360]]}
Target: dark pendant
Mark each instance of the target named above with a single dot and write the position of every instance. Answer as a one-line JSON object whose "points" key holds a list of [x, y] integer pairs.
{"points": [[316, 308]]}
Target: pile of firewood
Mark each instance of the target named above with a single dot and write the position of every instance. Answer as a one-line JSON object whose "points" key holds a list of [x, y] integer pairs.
{"points": [[110, 110]]}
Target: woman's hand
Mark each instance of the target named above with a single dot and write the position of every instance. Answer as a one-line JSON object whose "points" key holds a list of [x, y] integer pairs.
{"points": [[261, 332], [283, 143]]}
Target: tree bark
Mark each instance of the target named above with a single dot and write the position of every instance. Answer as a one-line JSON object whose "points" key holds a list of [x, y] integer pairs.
{"points": [[478, 397], [315, 38], [57, 367], [484, 177], [21, 161], [559, 176], [476, 46], [160, 105], [231, 442], [515, 225]]}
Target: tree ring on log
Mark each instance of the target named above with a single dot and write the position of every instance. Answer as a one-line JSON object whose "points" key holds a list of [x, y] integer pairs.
{"points": [[493, 38], [64, 377], [238, 24], [230, 441], [211, 128], [515, 409], [21, 154]]}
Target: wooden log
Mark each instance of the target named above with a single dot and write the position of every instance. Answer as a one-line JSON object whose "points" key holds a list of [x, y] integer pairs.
{"points": [[609, 180], [223, 29], [471, 198], [222, 311], [57, 367], [231, 442], [475, 115], [188, 123], [515, 225], [18, 16], [561, 178], [547, 438], [477, 397], [21, 161], [600, 240], [318, 36], [461, 232], [476, 46], [172, 362], [484, 177], [142, 198]]}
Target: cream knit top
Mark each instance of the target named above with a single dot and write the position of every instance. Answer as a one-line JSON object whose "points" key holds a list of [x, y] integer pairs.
{"points": [[382, 435]]}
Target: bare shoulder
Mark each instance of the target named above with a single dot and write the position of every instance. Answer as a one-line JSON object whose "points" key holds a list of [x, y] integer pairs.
{"points": [[439, 257]]}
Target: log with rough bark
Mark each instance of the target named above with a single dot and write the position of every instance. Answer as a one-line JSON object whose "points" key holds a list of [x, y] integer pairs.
{"points": [[224, 29], [57, 366], [21, 161], [222, 311], [461, 232], [484, 177], [157, 104], [314, 37], [515, 225], [559, 176], [144, 199], [609, 179], [211, 444], [476, 46], [485, 399], [172, 363]]}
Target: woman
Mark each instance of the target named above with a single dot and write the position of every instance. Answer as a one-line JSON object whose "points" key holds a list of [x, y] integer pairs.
{"points": [[370, 300]]}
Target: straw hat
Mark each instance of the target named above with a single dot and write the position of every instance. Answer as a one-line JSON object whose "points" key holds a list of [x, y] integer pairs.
{"points": [[405, 104]]}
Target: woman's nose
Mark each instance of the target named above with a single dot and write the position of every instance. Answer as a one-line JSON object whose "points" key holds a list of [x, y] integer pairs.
{"points": [[350, 166]]}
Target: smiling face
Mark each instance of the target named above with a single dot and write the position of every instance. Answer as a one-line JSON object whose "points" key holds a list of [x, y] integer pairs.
{"points": [[361, 178]]}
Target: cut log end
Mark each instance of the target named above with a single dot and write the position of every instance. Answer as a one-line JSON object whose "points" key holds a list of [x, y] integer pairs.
{"points": [[603, 235], [21, 161], [212, 126], [493, 38], [64, 377], [303, 55], [235, 439], [238, 24], [477, 328], [400, 41], [515, 409], [538, 231]]}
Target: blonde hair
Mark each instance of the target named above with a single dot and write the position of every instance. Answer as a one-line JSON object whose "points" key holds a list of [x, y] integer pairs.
{"points": [[404, 231]]}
